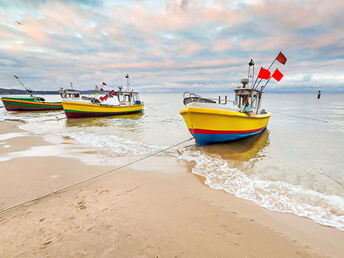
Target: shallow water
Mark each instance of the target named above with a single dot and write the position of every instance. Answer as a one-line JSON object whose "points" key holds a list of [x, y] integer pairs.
{"points": [[295, 166]]}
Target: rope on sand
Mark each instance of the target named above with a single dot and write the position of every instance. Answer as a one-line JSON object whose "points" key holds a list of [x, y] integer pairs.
{"points": [[91, 178]]}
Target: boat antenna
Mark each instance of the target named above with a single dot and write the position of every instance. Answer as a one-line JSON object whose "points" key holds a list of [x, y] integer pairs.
{"points": [[128, 82], [27, 89], [71, 85], [251, 72]]}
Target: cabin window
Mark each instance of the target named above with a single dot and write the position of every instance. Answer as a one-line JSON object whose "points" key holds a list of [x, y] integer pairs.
{"points": [[120, 98], [237, 101]]}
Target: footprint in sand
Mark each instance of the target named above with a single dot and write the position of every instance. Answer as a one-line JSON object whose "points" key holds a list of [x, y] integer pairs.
{"points": [[230, 230], [82, 205], [89, 227], [103, 191], [47, 242], [235, 243]]}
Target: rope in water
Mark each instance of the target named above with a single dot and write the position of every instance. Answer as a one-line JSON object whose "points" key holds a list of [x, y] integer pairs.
{"points": [[54, 119], [302, 117], [91, 178]]}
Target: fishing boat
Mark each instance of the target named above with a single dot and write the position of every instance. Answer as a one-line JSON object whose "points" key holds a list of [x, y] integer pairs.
{"points": [[31, 103], [213, 121], [114, 103]]}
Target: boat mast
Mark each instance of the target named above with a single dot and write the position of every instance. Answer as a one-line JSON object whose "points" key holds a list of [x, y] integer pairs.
{"points": [[128, 82], [22, 84], [251, 72], [251, 77]]}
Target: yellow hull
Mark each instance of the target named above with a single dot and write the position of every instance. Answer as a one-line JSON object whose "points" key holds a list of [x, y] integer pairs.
{"points": [[209, 125], [75, 109]]}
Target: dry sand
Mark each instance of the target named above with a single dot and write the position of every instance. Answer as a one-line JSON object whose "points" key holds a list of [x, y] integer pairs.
{"points": [[159, 210]]}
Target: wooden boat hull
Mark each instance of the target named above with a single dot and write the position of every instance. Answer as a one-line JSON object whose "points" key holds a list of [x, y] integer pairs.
{"points": [[29, 104], [80, 110], [209, 126]]}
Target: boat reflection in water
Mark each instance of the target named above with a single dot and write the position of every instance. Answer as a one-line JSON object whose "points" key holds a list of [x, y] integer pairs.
{"points": [[244, 154], [104, 121]]}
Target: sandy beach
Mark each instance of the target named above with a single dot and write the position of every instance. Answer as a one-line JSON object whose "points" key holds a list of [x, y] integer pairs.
{"points": [[155, 208]]}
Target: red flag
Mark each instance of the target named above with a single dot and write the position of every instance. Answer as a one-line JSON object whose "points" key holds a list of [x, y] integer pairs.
{"points": [[104, 83], [101, 98], [281, 58], [106, 97], [264, 74], [112, 92], [277, 75], [101, 89]]}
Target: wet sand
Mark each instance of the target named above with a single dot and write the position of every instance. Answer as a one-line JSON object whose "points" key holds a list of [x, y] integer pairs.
{"points": [[156, 208]]}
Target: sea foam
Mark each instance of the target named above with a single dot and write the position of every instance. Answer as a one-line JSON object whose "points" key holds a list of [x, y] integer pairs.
{"points": [[274, 195]]}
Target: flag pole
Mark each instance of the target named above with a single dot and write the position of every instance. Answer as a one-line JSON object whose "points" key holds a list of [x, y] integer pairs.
{"points": [[268, 70], [262, 88], [262, 79]]}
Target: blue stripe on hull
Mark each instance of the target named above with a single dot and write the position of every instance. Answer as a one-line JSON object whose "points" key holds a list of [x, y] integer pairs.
{"points": [[205, 139]]}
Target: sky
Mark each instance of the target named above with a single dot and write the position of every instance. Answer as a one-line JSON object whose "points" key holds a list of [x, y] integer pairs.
{"points": [[171, 45]]}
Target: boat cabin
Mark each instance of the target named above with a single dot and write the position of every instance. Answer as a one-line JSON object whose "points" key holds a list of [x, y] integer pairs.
{"points": [[127, 97], [247, 99], [69, 93]]}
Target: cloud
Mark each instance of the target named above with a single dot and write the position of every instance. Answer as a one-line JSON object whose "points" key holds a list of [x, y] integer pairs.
{"points": [[175, 45], [222, 45]]}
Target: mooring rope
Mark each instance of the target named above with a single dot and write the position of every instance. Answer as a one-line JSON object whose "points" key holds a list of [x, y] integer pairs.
{"points": [[91, 178], [302, 117], [54, 119]]}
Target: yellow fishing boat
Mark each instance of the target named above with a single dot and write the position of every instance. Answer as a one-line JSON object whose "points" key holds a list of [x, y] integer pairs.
{"points": [[113, 103], [78, 109], [212, 121]]}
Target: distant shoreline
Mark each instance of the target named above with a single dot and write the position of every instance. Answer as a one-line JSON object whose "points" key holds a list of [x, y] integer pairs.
{"points": [[43, 92], [88, 92]]}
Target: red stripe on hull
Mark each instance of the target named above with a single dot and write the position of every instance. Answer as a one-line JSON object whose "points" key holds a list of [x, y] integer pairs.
{"points": [[82, 115], [23, 108], [205, 131]]}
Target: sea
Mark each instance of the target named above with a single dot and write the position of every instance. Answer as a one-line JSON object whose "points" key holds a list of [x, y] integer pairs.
{"points": [[295, 166]]}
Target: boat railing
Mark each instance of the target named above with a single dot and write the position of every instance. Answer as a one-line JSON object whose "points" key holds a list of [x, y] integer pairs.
{"points": [[92, 99], [189, 97]]}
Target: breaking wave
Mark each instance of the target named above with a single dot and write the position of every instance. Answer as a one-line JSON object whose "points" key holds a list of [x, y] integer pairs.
{"points": [[274, 195]]}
